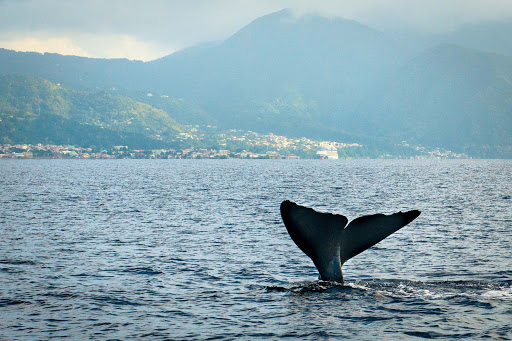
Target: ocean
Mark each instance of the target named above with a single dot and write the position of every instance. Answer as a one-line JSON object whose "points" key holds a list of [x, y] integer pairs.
{"points": [[196, 250]]}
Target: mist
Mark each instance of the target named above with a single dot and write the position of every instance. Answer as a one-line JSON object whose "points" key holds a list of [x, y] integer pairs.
{"points": [[148, 30]]}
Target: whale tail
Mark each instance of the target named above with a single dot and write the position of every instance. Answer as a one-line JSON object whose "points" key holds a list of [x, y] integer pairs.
{"points": [[329, 241]]}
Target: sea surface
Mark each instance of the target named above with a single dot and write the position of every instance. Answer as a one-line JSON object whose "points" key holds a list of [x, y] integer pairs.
{"points": [[196, 250]]}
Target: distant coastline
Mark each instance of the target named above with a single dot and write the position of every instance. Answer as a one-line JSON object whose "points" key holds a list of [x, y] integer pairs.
{"points": [[51, 151]]}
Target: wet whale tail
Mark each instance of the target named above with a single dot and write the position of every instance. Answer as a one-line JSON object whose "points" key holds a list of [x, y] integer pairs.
{"points": [[329, 241]]}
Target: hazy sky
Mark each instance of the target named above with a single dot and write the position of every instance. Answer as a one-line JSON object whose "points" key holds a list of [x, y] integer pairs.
{"points": [[149, 29]]}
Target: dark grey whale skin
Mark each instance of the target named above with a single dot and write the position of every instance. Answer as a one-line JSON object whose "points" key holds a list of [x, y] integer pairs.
{"points": [[330, 242]]}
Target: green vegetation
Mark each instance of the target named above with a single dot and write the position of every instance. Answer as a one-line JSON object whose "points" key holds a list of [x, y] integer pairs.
{"points": [[183, 111], [322, 78], [448, 96], [33, 110]]}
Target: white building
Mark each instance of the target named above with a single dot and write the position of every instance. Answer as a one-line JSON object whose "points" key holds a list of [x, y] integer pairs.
{"points": [[327, 151]]}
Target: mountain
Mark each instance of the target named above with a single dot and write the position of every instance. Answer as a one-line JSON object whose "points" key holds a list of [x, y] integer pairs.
{"points": [[280, 73], [72, 71], [487, 36], [323, 78], [281, 69], [180, 109], [33, 110], [448, 96]]}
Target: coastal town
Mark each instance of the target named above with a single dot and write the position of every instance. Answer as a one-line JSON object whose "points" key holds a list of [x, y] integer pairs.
{"points": [[206, 143], [39, 151]]}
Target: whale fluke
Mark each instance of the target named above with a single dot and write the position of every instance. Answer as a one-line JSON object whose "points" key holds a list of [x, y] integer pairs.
{"points": [[329, 241]]}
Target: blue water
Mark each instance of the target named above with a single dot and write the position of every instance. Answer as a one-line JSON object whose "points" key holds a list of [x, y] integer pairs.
{"points": [[196, 249]]}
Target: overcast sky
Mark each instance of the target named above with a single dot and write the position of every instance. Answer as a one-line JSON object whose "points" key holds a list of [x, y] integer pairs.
{"points": [[149, 29]]}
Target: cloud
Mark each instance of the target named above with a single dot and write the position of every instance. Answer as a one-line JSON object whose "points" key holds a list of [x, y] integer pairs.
{"points": [[412, 15], [139, 29], [178, 22], [57, 45], [433, 16], [88, 45], [133, 29]]}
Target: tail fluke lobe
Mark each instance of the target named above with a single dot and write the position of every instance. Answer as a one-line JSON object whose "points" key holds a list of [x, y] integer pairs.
{"points": [[318, 235], [364, 232]]}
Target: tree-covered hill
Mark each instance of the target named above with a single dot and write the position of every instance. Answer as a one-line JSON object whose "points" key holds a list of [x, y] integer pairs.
{"points": [[183, 111], [34, 110], [322, 78], [448, 96]]}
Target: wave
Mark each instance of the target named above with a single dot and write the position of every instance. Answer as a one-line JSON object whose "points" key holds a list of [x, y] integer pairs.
{"points": [[402, 289]]}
